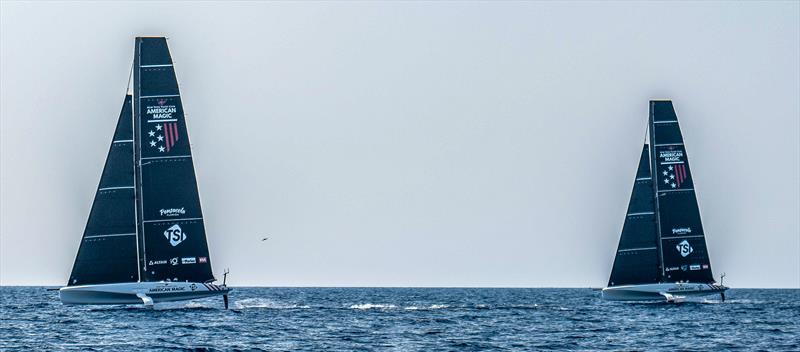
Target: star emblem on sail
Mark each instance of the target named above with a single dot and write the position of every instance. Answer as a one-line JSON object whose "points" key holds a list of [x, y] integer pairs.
{"points": [[674, 175], [164, 137]]}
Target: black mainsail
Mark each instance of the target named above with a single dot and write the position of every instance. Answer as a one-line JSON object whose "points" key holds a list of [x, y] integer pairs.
{"points": [[146, 224], [682, 243], [107, 252], [171, 233], [662, 239]]}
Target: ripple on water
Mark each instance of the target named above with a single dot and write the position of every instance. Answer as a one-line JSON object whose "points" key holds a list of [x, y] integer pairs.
{"points": [[404, 319]]}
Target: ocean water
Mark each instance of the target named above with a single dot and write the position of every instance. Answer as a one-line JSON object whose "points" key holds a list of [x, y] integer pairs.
{"points": [[404, 319]]}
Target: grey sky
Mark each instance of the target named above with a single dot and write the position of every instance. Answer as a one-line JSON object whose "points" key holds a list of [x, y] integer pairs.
{"points": [[409, 143]]}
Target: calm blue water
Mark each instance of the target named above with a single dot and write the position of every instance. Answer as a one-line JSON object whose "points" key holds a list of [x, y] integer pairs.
{"points": [[404, 319]]}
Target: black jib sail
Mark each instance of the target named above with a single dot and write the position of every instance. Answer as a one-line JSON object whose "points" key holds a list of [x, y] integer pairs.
{"points": [[682, 243], [171, 233], [107, 251], [637, 259]]}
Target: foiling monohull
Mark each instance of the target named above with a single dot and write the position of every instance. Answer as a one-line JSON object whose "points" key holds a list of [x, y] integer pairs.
{"points": [[662, 253], [145, 240]]}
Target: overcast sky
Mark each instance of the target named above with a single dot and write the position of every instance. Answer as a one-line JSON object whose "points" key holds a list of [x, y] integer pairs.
{"points": [[413, 143]]}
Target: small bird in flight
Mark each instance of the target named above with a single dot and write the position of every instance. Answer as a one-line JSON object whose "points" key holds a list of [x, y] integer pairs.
{"points": [[264, 239]]}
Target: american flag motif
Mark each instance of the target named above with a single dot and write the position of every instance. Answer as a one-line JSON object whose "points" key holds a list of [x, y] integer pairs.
{"points": [[673, 175], [164, 136], [170, 134]]}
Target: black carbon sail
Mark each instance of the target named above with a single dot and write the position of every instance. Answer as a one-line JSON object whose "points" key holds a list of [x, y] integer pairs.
{"points": [[681, 238], [146, 223], [172, 239], [107, 252], [662, 239], [637, 258]]}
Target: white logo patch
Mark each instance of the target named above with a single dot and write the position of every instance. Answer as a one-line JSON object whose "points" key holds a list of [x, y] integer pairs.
{"points": [[175, 235], [682, 231], [172, 211], [684, 248]]}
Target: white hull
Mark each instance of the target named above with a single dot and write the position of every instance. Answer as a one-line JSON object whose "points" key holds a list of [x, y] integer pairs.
{"points": [[138, 292], [660, 292]]}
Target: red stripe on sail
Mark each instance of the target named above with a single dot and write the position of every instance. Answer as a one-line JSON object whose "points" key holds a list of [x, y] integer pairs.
{"points": [[166, 136], [678, 174], [176, 132], [683, 173]]}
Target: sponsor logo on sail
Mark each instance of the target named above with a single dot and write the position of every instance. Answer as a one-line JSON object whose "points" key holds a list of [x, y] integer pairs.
{"points": [[161, 111], [671, 155], [684, 248], [694, 267], [173, 211], [162, 133], [684, 267], [157, 262], [202, 260], [682, 231], [188, 260], [705, 266], [672, 268], [174, 261], [175, 235]]}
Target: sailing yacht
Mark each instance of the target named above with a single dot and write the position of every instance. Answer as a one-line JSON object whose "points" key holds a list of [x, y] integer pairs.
{"points": [[145, 241], [662, 253]]}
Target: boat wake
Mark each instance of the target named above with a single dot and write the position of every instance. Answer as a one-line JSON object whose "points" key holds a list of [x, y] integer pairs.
{"points": [[366, 306], [430, 307], [265, 303]]}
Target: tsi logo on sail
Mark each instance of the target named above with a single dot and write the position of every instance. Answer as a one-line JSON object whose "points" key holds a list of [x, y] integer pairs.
{"points": [[175, 235], [684, 248]]}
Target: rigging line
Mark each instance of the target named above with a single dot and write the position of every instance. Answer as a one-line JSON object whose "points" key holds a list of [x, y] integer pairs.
{"points": [[130, 78], [651, 126], [136, 153]]}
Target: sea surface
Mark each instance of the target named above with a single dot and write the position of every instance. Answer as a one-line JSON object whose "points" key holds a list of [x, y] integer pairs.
{"points": [[404, 319]]}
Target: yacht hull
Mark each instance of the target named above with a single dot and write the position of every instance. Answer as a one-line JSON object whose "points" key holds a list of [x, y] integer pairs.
{"points": [[138, 292], [660, 292]]}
